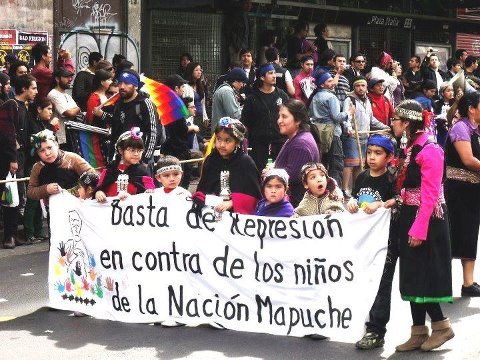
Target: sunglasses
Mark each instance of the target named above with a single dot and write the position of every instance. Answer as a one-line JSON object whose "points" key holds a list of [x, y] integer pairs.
{"points": [[360, 61]]}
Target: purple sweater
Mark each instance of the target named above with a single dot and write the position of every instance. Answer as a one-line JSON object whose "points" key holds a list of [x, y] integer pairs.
{"points": [[295, 153]]}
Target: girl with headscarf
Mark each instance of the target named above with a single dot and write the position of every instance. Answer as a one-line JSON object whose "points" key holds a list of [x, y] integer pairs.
{"points": [[230, 173]]}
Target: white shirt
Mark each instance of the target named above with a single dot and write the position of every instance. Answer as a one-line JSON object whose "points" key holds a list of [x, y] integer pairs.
{"points": [[61, 102], [439, 79]]}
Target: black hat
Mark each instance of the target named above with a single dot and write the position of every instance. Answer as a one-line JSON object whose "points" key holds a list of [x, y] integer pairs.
{"points": [[11, 58], [429, 84], [4, 78], [237, 74], [175, 80], [63, 72]]}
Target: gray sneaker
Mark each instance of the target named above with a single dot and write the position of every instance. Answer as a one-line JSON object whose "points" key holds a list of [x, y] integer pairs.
{"points": [[370, 341]]}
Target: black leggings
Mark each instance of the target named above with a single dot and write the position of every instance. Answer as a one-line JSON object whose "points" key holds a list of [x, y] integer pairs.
{"points": [[419, 312]]}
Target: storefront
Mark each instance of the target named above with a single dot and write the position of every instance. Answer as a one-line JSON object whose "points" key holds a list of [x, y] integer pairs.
{"points": [[198, 27]]}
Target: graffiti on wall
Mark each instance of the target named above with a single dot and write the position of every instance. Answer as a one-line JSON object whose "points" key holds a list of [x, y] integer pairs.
{"points": [[84, 26], [81, 42]]}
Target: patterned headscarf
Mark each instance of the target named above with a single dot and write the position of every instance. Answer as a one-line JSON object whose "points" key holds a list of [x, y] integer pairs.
{"points": [[385, 59]]}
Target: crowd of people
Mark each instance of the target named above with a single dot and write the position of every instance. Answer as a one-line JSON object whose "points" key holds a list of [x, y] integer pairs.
{"points": [[312, 136]]}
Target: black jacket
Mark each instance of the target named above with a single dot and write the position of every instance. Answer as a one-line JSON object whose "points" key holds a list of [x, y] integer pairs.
{"points": [[8, 146], [350, 75], [140, 112], [260, 118], [428, 73]]}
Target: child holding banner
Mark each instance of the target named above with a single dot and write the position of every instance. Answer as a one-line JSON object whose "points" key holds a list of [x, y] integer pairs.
{"points": [[374, 188], [275, 202], [87, 183], [127, 175], [229, 172], [322, 196], [169, 174], [56, 169]]}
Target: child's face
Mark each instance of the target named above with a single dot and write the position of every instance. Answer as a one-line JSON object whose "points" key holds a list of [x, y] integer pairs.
{"points": [[377, 158], [85, 193], [274, 191], [225, 144], [316, 182], [131, 156], [48, 151], [170, 179]]}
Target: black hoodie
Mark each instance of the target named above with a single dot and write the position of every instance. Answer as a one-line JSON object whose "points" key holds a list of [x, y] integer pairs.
{"points": [[142, 113]]}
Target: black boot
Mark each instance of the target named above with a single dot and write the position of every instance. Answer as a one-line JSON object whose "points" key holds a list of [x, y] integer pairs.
{"points": [[9, 243]]}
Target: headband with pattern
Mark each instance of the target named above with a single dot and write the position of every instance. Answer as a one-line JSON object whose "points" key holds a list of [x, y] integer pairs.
{"points": [[134, 133], [408, 114], [281, 173], [229, 123], [166, 168]]}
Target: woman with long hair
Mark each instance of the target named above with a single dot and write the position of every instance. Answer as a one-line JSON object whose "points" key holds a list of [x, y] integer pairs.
{"points": [[101, 84], [195, 78], [4, 87]]}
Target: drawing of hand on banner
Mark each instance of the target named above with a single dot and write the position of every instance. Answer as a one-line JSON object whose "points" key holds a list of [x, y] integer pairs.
{"points": [[75, 267]]}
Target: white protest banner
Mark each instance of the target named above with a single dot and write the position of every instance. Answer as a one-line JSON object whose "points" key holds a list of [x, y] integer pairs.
{"points": [[150, 258]]}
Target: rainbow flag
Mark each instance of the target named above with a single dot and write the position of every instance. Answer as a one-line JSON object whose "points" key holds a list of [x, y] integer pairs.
{"points": [[169, 105], [90, 149], [86, 141]]}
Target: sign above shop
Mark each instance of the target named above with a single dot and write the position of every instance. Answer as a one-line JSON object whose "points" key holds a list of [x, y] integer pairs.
{"points": [[390, 21]]}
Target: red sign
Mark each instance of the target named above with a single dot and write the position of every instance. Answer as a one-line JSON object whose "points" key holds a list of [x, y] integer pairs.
{"points": [[8, 36]]}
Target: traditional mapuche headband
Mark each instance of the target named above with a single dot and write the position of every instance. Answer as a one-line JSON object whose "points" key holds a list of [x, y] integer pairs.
{"points": [[37, 139], [408, 114], [134, 133], [164, 169], [281, 173], [229, 123], [89, 178]]}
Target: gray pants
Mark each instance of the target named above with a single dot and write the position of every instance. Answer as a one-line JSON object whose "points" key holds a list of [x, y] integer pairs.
{"points": [[333, 161]]}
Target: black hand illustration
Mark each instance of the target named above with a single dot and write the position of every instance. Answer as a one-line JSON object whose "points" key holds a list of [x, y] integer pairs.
{"points": [[78, 270], [61, 248]]}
